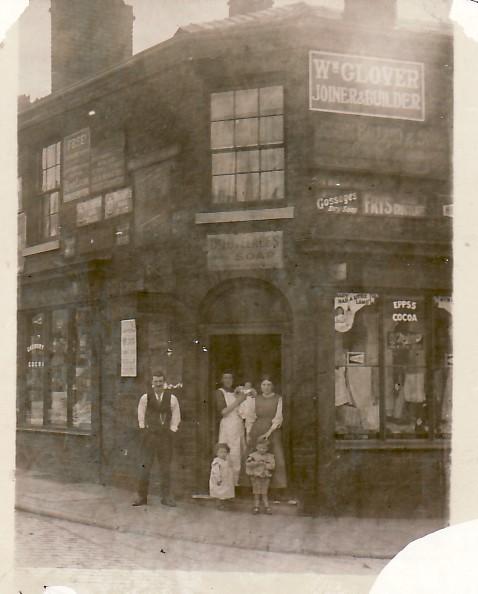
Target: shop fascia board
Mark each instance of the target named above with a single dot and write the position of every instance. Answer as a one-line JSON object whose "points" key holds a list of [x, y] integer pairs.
{"points": [[415, 248], [239, 216]]}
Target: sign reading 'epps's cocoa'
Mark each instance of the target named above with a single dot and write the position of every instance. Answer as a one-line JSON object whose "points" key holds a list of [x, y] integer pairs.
{"points": [[361, 85], [239, 251]]}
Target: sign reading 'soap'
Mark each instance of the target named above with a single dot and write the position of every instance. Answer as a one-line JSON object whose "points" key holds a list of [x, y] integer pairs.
{"points": [[360, 85]]}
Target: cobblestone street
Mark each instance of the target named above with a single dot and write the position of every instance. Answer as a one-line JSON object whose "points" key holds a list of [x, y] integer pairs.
{"points": [[47, 542]]}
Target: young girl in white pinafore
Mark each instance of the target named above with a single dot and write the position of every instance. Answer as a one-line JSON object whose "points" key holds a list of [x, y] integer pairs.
{"points": [[231, 426], [221, 481]]}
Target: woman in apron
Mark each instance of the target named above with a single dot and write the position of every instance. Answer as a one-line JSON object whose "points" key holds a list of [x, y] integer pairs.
{"points": [[231, 426]]}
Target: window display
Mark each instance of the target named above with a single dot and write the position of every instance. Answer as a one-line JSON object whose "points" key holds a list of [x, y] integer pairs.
{"points": [[384, 346], [59, 370]]}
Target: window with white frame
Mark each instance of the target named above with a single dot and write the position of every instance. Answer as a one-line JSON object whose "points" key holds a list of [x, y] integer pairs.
{"points": [[247, 143]]}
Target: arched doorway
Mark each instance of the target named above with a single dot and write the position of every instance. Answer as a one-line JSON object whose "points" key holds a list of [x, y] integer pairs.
{"points": [[246, 325]]}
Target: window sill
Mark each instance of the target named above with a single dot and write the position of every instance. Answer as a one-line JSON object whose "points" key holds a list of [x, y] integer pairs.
{"points": [[39, 248], [392, 444], [237, 216], [55, 430]]}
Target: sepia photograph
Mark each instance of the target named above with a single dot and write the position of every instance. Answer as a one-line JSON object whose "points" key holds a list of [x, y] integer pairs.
{"points": [[234, 293]]}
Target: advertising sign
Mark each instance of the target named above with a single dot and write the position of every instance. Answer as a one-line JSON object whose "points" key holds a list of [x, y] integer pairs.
{"points": [[346, 305], [370, 204], [76, 165], [368, 86], [108, 164], [241, 251], [128, 348], [118, 203], [90, 211]]}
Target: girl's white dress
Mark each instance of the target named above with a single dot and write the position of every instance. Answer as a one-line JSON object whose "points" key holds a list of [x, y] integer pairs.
{"points": [[221, 481], [232, 432]]}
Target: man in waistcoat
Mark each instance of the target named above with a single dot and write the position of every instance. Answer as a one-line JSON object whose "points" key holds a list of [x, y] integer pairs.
{"points": [[158, 418]]}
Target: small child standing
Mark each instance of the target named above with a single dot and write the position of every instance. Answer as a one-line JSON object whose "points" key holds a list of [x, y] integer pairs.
{"points": [[259, 466], [221, 481]]}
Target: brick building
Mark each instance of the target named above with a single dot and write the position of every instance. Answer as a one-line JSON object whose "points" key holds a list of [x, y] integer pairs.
{"points": [[269, 192]]}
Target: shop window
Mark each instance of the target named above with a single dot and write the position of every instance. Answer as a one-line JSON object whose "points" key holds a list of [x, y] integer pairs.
{"points": [[393, 358], [59, 376], [247, 137], [43, 207]]}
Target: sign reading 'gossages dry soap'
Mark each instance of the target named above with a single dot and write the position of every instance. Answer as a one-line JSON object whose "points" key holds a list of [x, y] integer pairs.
{"points": [[361, 85], [238, 251]]}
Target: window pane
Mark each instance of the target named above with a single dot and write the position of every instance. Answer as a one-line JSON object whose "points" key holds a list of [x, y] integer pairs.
{"points": [[247, 161], [57, 176], [222, 135], [35, 373], [54, 220], [247, 132], [44, 185], [272, 129], [442, 364], [271, 100], [272, 159], [54, 202], [46, 217], [58, 153], [405, 377], [247, 103], [272, 185], [223, 188], [50, 179], [51, 155], [223, 163], [83, 386], [59, 366], [43, 158], [222, 106], [356, 365], [247, 187]]}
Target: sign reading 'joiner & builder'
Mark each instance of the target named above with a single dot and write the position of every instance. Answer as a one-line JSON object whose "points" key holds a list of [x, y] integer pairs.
{"points": [[361, 85]]}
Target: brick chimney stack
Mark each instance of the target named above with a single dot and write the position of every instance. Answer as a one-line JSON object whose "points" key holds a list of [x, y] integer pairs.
{"points": [[244, 6], [88, 36], [376, 13]]}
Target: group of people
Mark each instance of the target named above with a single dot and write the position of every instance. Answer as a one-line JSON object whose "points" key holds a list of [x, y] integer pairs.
{"points": [[249, 451]]}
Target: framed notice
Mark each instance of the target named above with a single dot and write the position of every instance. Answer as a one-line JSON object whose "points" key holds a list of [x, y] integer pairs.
{"points": [[128, 348], [367, 86], [108, 163]]}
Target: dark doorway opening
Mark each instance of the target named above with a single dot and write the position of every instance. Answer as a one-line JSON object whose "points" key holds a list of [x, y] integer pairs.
{"points": [[248, 357]]}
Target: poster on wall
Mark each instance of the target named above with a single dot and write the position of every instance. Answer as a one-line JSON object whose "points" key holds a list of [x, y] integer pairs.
{"points": [[347, 305], [367, 86], [76, 165], [239, 251], [128, 348]]}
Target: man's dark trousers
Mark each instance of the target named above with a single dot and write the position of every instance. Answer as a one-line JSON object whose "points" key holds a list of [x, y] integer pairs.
{"points": [[156, 444]]}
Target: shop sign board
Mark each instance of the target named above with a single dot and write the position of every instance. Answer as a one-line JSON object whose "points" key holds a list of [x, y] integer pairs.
{"points": [[241, 251], [89, 211], [370, 204], [118, 202], [76, 165], [367, 86], [108, 164], [128, 348]]}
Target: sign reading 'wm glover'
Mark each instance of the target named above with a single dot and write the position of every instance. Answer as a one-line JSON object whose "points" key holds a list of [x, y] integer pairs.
{"points": [[239, 251], [361, 85]]}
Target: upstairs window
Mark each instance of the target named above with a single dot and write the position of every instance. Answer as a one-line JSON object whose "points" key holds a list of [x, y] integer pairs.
{"points": [[43, 209], [247, 142]]}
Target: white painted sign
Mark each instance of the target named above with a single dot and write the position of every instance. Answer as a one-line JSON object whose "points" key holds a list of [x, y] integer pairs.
{"points": [[128, 348], [239, 251]]}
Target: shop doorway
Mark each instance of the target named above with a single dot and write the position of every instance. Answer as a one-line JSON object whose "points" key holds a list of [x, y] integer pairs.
{"points": [[248, 357]]}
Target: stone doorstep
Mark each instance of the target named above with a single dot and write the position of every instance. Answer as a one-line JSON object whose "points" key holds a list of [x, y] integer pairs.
{"points": [[244, 504]]}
